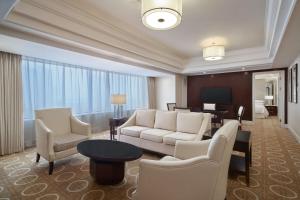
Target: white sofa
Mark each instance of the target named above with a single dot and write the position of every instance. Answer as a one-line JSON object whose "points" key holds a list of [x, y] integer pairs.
{"points": [[159, 130], [198, 170]]}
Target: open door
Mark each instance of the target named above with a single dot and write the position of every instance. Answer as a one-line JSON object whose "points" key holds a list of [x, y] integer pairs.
{"points": [[281, 99]]}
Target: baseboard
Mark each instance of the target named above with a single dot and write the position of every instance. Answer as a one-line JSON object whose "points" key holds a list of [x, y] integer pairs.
{"points": [[297, 137]]}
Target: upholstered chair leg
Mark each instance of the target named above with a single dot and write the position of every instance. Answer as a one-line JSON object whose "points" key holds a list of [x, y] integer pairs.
{"points": [[51, 165], [38, 156]]}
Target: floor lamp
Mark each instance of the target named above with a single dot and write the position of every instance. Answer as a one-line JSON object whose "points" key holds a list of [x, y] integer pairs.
{"points": [[118, 100]]}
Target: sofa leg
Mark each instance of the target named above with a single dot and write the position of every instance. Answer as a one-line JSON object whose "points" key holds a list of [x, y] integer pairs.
{"points": [[38, 156], [51, 166]]}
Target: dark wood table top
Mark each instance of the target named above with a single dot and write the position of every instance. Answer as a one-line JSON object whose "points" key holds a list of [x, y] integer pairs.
{"points": [[109, 151], [241, 136]]}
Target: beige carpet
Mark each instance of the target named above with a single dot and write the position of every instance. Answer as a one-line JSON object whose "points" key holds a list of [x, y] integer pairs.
{"points": [[275, 173]]}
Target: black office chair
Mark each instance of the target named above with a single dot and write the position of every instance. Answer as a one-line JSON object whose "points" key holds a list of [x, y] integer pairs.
{"points": [[171, 106], [240, 115]]}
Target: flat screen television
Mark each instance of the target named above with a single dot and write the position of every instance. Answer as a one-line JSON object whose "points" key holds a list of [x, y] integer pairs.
{"points": [[217, 95]]}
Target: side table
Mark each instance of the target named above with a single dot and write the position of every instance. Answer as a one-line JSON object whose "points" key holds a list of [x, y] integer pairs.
{"points": [[243, 143], [114, 123]]}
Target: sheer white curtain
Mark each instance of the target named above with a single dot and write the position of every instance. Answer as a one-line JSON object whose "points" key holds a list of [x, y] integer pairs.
{"points": [[87, 91], [49, 84], [11, 105]]}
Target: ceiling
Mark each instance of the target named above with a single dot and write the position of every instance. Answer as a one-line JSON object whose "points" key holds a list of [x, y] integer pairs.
{"points": [[251, 31], [202, 20]]}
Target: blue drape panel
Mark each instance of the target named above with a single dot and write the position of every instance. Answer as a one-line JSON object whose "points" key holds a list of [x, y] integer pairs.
{"points": [[49, 84]]}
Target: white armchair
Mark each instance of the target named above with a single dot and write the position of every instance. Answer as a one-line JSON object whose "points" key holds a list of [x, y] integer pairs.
{"points": [[58, 133], [198, 170]]}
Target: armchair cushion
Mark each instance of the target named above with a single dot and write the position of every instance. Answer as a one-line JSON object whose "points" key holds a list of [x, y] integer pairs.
{"points": [[145, 118], [166, 120], [155, 135], [189, 122], [67, 141], [172, 138], [133, 131]]}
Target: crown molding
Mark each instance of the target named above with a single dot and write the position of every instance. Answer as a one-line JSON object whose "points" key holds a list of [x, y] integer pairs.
{"points": [[103, 35], [6, 7], [50, 19]]}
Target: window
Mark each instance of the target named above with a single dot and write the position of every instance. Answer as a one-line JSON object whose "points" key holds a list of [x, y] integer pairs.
{"points": [[49, 84]]}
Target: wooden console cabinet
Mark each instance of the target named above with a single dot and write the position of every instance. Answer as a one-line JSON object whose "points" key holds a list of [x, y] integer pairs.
{"points": [[272, 110]]}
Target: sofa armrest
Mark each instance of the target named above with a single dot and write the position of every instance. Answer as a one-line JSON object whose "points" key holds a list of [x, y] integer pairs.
{"points": [[205, 126], [80, 127], [129, 122], [44, 140], [190, 149], [187, 179]]}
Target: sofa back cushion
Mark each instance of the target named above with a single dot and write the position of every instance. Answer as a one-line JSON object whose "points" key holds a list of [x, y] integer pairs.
{"points": [[145, 118], [189, 122], [165, 120]]}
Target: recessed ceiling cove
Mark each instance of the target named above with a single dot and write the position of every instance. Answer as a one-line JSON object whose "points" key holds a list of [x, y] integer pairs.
{"points": [[241, 23]]}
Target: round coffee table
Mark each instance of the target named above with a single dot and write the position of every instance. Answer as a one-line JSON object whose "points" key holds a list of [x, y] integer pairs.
{"points": [[107, 159]]}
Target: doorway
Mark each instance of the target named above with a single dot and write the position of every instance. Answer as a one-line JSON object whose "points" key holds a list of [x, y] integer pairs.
{"points": [[268, 95]]}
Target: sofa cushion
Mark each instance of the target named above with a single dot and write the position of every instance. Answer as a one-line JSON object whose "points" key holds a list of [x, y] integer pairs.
{"points": [[189, 122], [133, 131], [172, 138], [67, 141], [145, 118], [155, 135], [166, 120]]}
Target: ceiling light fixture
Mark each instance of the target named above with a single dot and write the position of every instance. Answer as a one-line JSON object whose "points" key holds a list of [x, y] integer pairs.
{"points": [[161, 14], [214, 52]]}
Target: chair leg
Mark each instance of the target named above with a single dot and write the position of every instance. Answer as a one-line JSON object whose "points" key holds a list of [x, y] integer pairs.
{"points": [[38, 156], [51, 166]]}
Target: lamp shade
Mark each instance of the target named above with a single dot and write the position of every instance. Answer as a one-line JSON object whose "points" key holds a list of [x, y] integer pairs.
{"points": [[215, 52], [269, 97], [161, 14], [118, 99]]}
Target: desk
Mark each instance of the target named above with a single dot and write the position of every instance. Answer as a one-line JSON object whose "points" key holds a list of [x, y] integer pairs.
{"points": [[243, 143], [219, 115]]}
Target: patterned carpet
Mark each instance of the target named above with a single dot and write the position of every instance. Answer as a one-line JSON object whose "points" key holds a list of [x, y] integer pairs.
{"points": [[275, 173]]}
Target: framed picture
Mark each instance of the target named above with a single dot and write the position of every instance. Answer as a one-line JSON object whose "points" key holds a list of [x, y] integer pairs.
{"points": [[294, 83], [289, 82]]}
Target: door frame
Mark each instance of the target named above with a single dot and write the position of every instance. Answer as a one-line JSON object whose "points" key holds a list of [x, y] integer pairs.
{"points": [[281, 94]]}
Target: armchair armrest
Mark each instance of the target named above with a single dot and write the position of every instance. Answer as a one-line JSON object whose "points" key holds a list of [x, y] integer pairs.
{"points": [[129, 122], [44, 140], [206, 126], [187, 179], [80, 127], [191, 149]]}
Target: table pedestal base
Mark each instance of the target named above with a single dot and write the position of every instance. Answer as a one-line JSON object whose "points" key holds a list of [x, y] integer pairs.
{"points": [[107, 173]]}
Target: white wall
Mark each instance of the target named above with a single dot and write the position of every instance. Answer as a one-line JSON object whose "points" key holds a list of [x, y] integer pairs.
{"points": [[294, 110], [260, 89], [165, 91], [171, 89]]}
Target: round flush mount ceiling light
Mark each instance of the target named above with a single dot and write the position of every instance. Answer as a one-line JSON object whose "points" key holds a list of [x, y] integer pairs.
{"points": [[214, 52], [161, 14]]}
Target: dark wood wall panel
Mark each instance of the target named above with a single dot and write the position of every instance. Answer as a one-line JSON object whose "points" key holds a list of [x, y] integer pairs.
{"points": [[239, 82]]}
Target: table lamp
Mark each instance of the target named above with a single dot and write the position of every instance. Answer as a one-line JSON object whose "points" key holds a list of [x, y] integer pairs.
{"points": [[118, 100]]}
